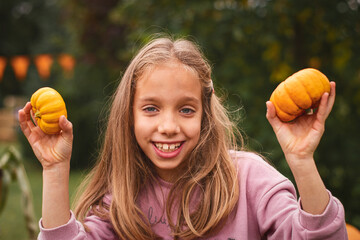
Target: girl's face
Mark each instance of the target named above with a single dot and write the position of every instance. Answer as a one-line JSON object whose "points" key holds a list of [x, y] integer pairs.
{"points": [[167, 116]]}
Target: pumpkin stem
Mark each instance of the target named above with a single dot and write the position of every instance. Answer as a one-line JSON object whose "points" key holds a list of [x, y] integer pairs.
{"points": [[37, 114]]}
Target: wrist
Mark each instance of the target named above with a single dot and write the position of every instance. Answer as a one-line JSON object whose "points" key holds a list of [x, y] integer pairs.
{"points": [[59, 171], [299, 160], [304, 169], [302, 166], [56, 166]]}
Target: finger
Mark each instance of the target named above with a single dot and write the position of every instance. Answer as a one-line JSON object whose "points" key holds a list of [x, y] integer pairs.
{"points": [[66, 128], [271, 115], [26, 124], [30, 116], [332, 95], [322, 113], [28, 113], [23, 124], [326, 104]]}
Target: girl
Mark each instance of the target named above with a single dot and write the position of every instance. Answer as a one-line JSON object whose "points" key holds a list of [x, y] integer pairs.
{"points": [[170, 169]]}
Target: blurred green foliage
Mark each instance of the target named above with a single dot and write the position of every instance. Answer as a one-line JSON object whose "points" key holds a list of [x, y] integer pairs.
{"points": [[252, 45], [13, 169]]}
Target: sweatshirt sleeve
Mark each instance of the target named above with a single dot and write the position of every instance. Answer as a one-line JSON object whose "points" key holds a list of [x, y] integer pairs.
{"points": [[74, 230], [275, 209], [280, 216]]}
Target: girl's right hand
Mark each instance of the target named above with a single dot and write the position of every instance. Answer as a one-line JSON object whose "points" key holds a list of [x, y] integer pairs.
{"points": [[50, 150]]}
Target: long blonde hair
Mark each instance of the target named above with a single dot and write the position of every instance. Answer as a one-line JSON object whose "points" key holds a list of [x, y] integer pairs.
{"points": [[123, 169]]}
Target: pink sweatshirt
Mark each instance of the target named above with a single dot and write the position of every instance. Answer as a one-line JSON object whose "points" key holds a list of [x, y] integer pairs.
{"points": [[267, 209]]}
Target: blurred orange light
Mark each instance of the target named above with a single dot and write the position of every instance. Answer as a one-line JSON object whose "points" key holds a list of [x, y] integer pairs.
{"points": [[43, 64], [2, 67], [20, 65], [67, 62]]}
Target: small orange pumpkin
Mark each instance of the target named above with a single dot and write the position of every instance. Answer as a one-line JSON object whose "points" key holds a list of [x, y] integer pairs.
{"points": [[299, 92], [47, 106]]}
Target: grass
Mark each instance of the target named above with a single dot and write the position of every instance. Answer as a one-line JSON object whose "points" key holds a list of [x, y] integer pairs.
{"points": [[12, 223]]}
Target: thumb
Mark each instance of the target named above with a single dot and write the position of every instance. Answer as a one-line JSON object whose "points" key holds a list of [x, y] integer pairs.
{"points": [[66, 127]]}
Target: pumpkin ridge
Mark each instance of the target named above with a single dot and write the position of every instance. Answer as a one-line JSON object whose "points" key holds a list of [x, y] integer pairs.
{"points": [[291, 98], [290, 110], [297, 92], [293, 103], [48, 109], [307, 92], [320, 89], [322, 78], [282, 114], [38, 93]]}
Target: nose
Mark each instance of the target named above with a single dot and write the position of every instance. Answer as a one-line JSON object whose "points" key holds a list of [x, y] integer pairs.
{"points": [[168, 124]]}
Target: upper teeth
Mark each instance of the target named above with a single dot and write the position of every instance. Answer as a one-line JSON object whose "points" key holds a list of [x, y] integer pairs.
{"points": [[167, 147]]}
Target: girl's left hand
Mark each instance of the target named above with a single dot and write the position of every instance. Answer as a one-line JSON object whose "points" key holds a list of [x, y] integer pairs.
{"points": [[300, 138]]}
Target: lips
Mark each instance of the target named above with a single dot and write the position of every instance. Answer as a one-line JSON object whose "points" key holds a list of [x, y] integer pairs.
{"points": [[167, 150]]}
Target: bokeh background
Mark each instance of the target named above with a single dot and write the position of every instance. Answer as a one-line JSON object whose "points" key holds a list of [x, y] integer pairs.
{"points": [[252, 45]]}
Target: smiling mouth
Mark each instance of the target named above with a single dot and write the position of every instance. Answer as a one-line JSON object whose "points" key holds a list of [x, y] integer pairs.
{"points": [[167, 147]]}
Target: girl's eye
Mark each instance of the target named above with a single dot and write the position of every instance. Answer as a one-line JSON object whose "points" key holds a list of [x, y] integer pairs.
{"points": [[150, 109], [187, 111]]}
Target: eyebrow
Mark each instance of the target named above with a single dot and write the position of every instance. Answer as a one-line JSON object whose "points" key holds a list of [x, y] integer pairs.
{"points": [[155, 98]]}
